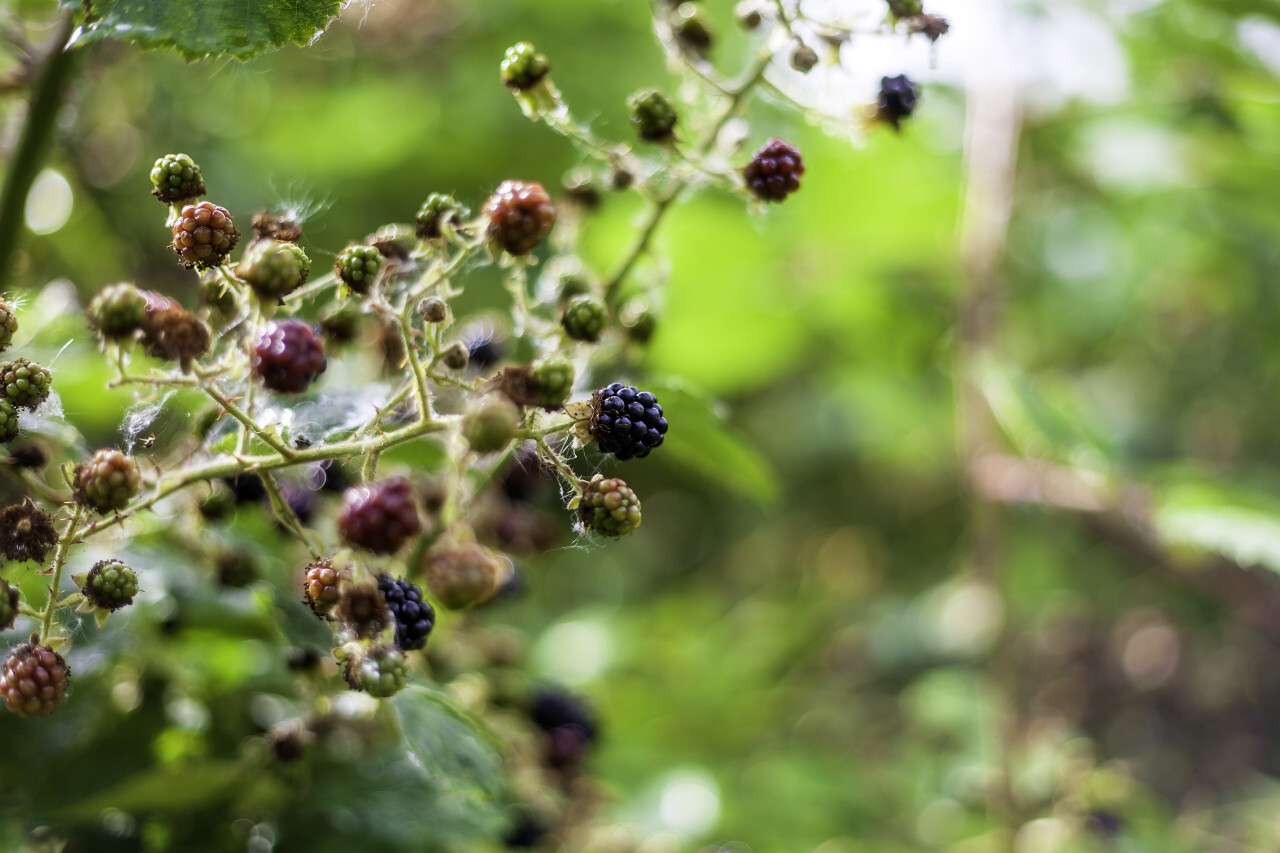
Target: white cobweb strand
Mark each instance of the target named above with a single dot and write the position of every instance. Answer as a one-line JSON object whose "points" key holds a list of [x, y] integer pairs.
{"points": [[140, 417]]}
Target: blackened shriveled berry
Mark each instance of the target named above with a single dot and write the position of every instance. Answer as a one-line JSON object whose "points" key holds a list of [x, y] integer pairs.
{"points": [[774, 172], [288, 356], [626, 422], [29, 456], [415, 617], [898, 98], [26, 532]]}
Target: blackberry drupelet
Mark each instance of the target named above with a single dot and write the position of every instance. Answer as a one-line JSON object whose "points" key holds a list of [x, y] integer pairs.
{"points": [[415, 617], [626, 422]]}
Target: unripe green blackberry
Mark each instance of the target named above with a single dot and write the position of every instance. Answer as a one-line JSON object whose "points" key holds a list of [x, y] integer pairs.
{"points": [[274, 269], [9, 600], [520, 215], [652, 115], [110, 585], [438, 209], [491, 423], [26, 532], [204, 235], [555, 382], [609, 506], [358, 266], [34, 680], [322, 588], [585, 319], [24, 383], [641, 325], [108, 481], [464, 574], [380, 671], [117, 311], [8, 324], [8, 422], [523, 67], [175, 178], [905, 8]]}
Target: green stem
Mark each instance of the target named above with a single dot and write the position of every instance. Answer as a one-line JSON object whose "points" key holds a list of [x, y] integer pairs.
{"points": [[250, 425], [59, 563], [286, 515], [415, 363], [33, 145]]}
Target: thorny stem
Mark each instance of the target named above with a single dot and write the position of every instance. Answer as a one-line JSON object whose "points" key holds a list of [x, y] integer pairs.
{"points": [[250, 425], [562, 467], [59, 563], [286, 515], [415, 363]]}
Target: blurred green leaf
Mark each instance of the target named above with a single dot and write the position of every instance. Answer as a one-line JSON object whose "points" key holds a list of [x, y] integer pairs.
{"points": [[453, 746], [164, 789], [239, 28], [1249, 537]]}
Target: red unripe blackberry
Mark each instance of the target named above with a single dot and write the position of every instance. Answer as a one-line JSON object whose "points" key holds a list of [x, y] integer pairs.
{"points": [[108, 481], [117, 311], [34, 680], [8, 324], [274, 268], [358, 266], [204, 235], [24, 383], [8, 421], [609, 506], [175, 178], [774, 172], [626, 422], [110, 585], [26, 532], [9, 600], [288, 356], [520, 215], [322, 587], [379, 517], [464, 574]]}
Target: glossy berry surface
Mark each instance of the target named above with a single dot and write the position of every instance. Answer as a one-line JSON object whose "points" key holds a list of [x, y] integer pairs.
{"points": [[175, 178], [652, 115], [523, 67], [288, 356], [379, 517], [204, 235], [609, 506], [117, 311], [898, 98], [585, 319], [108, 481], [415, 617], [273, 268], [520, 215], [358, 266], [26, 532], [627, 422], [24, 383], [110, 585], [34, 680], [774, 172]]}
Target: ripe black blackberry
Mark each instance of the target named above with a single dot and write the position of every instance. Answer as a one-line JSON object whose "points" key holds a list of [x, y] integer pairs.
{"points": [[110, 585], [175, 178], [8, 324], [774, 171], [117, 311], [204, 235], [26, 532], [414, 615], [288, 356], [652, 115], [274, 268], [898, 99], [108, 481], [523, 67], [34, 680], [358, 266], [626, 422], [520, 215], [379, 517], [438, 209], [9, 600], [24, 383]]}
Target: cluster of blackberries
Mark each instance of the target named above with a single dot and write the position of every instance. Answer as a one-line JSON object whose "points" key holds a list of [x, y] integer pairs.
{"points": [[626, 422], [415, 617]]}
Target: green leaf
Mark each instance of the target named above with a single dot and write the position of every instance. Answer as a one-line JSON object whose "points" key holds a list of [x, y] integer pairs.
{"points": [[197, 30], [166, 789], [701, 440], [455, 748], [1250, 537]]}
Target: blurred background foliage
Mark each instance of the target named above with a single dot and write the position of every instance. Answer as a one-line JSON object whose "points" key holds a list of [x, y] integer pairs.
{"points": [[829, 636]]}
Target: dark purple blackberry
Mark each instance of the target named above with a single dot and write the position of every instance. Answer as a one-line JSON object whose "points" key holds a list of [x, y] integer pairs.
{"points": [[568, 723], [774, 172], [379, 517], [626, 422], [414, 616], [288, 356], [898, 99]]}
